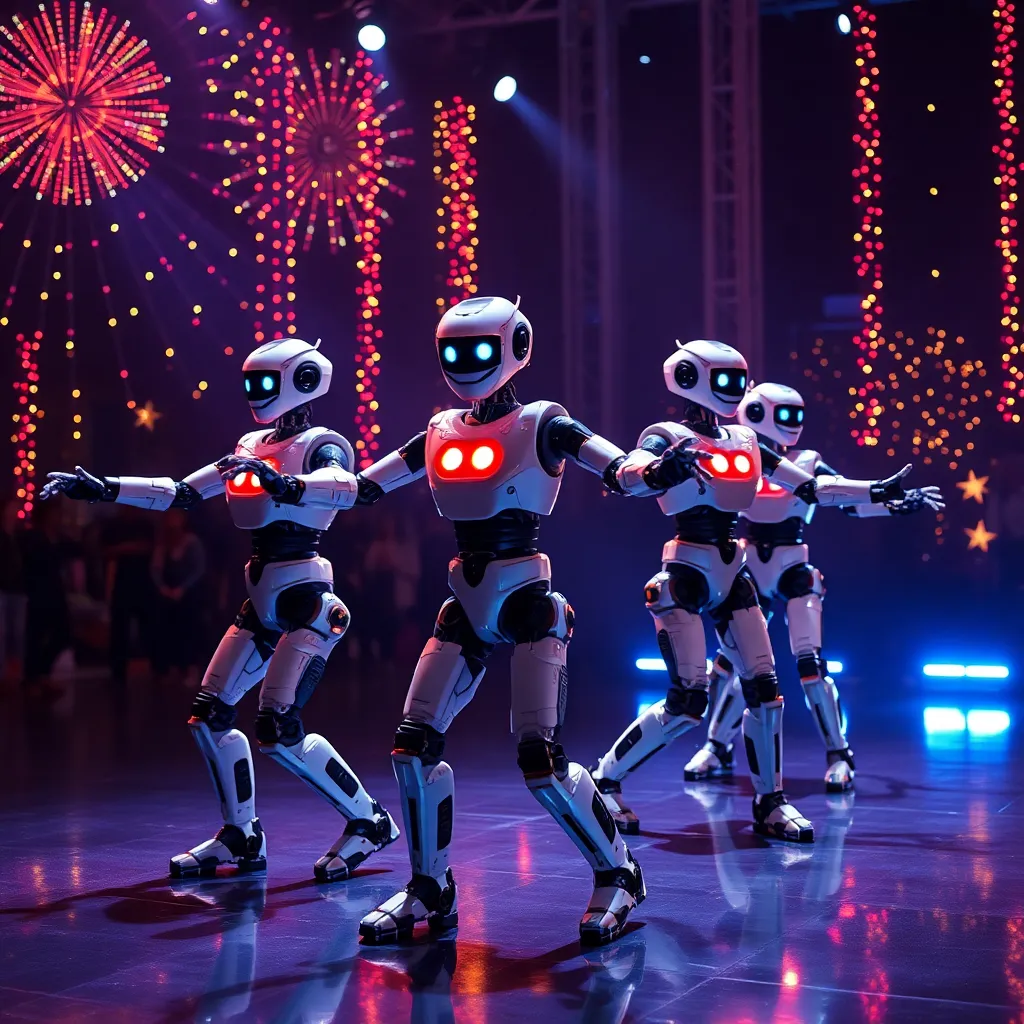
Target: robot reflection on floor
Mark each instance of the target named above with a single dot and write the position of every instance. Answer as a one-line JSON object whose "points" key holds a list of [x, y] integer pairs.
{"points": [[494, 470], [777, 558], [714, 471], [285, 487]]}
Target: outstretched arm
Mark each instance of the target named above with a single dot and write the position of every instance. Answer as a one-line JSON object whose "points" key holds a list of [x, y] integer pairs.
{"points": [[328, 484], [158, 493], [830, 488], [562, 437], [658, 464], [394, 470], [917, 499]]}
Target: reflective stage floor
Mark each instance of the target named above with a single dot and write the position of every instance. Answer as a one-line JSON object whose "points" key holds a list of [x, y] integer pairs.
{"points": [[909, 906]]}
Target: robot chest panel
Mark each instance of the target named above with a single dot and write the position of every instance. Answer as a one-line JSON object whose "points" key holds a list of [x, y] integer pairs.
{"points": [[773, 503], [476, 471], [250, 506], [733, 471]]}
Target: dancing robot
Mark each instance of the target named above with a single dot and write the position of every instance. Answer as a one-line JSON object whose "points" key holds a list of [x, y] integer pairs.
{"points": [[777, 558], [713, 473], [284, 485], [494, 470]]}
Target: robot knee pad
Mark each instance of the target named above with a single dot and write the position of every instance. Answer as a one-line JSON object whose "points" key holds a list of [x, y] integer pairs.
{"points": [[539, 757], [417, 739], [761, 689], [209, 710], [683, 700], [811, 666], [284, 727]]}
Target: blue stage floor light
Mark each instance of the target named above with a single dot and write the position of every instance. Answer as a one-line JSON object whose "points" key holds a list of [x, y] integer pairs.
{"points": [[987, 722], [944, 720]]}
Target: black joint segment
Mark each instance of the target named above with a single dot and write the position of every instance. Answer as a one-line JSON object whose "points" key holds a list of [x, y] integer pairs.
{"points": [[338, 619], [209, 708], [298, 606], [414, 452], [368, 492], [688, 588], [807, 493], [264, 639], [810, 666], [610, 477], [309, 680], [279, 727], [685, 700], [604, 818], [243, 780], [770, 459], [846, 754], [742, 594], [761, 689], [328, 455], [529, 614], [538, 757], [185, 496], [796, 581], [419, 740], [345, 781], [453, 626]]}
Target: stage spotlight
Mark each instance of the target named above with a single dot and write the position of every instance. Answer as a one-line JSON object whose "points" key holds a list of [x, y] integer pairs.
{"points": [[834, 668], [371, 37], [645, 59], [505, 89], [987, 722], [844, 24], [944, 720]]}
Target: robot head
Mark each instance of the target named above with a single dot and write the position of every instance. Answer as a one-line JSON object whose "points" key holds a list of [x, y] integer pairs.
{"points": [[774, 411], [708, 373], [282, 375], [481, 344]]}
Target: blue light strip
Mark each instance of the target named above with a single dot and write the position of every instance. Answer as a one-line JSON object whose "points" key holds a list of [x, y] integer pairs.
{"points": [[978, 722], [953, 671], [834, 668]]}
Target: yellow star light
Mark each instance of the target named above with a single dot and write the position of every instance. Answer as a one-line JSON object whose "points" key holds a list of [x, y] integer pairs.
{"points": [[146, 416], [974, 487], [979, 537]]}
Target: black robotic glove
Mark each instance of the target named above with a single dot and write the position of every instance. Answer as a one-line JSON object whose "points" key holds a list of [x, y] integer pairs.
{"points": [[916, 500], [80, 485], [287, 490], [891, 488], [676, 465]]}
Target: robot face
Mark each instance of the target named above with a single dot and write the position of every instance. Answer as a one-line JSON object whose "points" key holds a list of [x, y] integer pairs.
{"points": [[775, 412], [481, 344], [709, 374], [282, 375]]}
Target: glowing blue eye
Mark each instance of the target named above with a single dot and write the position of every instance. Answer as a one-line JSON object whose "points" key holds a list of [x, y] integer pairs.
{"points": [[743, 381], [722, 379], [783, 414], [484, 350], [268, 383], [799, 415], [248, 387], [450, 355]]}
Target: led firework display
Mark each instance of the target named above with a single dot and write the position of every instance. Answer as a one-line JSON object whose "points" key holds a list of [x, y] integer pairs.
{"points": [[78, 107], [455, 171]]}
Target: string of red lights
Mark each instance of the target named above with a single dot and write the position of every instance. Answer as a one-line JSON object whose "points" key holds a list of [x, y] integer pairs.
{"points": [[1006, 180], [455, 171]]}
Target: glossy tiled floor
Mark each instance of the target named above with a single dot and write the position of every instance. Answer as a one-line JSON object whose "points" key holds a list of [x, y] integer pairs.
{"points": [[909, 907]]}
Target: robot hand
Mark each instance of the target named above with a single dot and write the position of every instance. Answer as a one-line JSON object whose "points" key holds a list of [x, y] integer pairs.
{"points": [[917, 499], [280, 486], [80, 485], [890, 489], [677, 465]]}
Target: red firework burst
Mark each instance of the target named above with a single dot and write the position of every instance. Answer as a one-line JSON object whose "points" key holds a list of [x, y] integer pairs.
{"points": [[76, 103]]}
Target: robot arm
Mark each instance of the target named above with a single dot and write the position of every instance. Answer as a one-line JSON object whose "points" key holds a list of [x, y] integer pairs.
{"points": [[829, 488], [400, 467], [914, 500], [562, 437], [328, 484], [157, 493], [658, 464]]}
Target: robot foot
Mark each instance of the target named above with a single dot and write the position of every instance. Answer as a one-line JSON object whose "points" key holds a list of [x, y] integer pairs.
{"points": [[840, 771], [625, 820], [712, 761], [424, 899], [777, 818], [616, 892], [244, 846], [362, 836]]}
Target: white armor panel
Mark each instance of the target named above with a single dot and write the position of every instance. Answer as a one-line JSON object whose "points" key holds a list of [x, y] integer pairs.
{"points": [[706, 559], [502, 576], [767, 574], [478, 470], [734, 469], [278, 577], [774, 503], [251, 507]]}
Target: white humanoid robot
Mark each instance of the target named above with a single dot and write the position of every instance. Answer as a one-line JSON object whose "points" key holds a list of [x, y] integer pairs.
{"points": [[712, 472], [777, 558], [284, 484], [494, 470]]}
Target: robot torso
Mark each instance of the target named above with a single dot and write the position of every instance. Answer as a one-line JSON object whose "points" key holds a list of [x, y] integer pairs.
{"points": [[734, 469], [251, 507], [476, 470]]}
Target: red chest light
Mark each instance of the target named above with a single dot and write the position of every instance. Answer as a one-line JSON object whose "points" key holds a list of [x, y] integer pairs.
{"points": [[247, 485], [728, 465], [468, 460], [766, 489]]}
